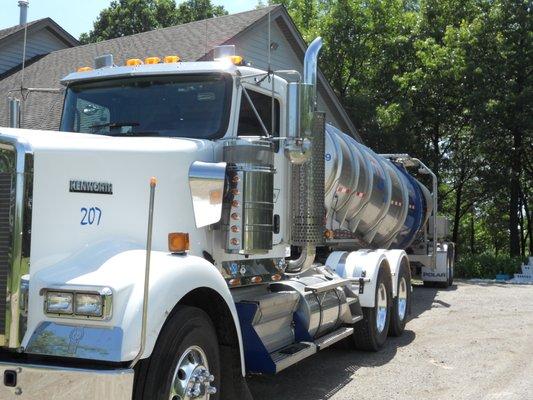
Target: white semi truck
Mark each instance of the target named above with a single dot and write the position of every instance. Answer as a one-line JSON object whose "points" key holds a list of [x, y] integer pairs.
{"points": [[194, 222]]}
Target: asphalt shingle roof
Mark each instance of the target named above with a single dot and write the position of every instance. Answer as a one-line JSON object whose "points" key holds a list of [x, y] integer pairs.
{"points": [[42, 110], [14, 29]]}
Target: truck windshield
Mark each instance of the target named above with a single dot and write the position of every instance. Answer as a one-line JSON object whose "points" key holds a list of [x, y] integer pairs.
{"points": [[193, 106]]}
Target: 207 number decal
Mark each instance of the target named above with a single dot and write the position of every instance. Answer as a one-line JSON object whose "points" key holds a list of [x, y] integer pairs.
{"points": [[90, 216]]}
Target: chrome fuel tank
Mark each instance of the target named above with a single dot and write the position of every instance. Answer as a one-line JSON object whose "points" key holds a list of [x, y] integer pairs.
{"points": [[368, 199], [318, 313]]}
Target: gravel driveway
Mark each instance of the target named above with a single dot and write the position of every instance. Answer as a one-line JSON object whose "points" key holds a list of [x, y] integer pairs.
{"points": [[472, 341]]}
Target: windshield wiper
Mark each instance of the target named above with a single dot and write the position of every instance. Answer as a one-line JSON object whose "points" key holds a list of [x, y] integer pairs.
{"points": [[132, 134], [114, 124]]}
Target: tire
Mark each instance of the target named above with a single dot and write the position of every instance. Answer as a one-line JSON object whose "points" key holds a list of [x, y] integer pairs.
{"points": [[401, 304], [451, 262], [188, 339], [367, 335]]}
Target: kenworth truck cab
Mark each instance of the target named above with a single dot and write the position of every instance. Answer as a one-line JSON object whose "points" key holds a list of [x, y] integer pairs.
{"points": [[193, 222]]}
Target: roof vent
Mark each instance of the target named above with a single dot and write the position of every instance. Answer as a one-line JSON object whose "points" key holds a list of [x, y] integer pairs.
{"points": [[220, 52], [103, 61], [23, 4]]}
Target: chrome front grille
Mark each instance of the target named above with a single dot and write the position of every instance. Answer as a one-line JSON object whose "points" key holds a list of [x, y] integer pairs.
{"points": [[6, 237], [16, 183]]}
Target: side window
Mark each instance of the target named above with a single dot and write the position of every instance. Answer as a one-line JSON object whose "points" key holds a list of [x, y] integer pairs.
{"points": [[248, 123]]}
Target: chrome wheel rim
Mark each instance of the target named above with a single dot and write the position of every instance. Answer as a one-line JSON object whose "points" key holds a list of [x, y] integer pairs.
{"points": [[192, 379], [381, 315], [402, 298]]}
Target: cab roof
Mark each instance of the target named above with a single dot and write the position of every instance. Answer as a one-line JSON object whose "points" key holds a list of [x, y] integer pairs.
{"points": [[151, 69]]}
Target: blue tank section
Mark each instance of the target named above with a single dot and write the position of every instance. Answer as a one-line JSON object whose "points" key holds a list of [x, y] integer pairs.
{"points": [[415, 212]]}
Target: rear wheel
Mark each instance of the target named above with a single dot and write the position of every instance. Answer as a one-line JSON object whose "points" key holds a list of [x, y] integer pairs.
{"points": [[185, 363], [371, 332], [401, 303], [451, 263]]}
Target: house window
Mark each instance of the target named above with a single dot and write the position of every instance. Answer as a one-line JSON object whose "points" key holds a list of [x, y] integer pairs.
{"points": [[248, 122]]}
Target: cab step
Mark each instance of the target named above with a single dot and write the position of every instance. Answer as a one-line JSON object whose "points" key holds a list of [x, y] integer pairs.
{"points": [[333, 337], [292, 354], [351, 300]]}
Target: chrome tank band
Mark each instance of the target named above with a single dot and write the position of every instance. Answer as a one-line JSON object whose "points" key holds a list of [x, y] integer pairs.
{"points": [[251, 152], [47, 382]]}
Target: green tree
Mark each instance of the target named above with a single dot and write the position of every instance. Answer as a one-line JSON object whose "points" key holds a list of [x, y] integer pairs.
{"points": [[195, 10], [448, 81], [127, 17]]}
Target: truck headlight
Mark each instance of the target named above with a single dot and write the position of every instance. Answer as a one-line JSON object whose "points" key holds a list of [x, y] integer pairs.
{"points": [[82, 303], [59, 302], [90, 305]]}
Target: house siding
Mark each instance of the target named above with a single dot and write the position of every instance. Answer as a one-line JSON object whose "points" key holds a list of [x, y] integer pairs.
{"points": [[41, 42]]}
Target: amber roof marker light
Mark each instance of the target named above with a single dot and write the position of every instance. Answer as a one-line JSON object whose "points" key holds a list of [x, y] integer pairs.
{"points": [[133, 62], [171, 59], [152, 60]]}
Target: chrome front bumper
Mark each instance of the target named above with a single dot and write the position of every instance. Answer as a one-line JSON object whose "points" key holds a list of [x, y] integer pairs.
{"points": [[56, 383]]}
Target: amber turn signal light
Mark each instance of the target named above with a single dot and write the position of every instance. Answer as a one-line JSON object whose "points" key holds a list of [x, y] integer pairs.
{"points": [[178, 242]]}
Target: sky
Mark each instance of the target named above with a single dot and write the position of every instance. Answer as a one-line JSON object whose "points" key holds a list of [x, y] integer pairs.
{"points": [[77, 16]]}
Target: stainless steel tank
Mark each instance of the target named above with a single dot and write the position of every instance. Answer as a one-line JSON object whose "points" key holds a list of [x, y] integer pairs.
{"points": [[369, 200]]}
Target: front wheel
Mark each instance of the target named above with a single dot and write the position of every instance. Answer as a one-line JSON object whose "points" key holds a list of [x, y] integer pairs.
{"points": [[370, 333], [185, 363]]}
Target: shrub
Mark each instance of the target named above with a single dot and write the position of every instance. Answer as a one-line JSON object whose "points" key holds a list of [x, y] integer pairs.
{"points": [[486, 265]]}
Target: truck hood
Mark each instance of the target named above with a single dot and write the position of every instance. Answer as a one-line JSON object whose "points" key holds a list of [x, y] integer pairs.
{"points": [[92, 189]]}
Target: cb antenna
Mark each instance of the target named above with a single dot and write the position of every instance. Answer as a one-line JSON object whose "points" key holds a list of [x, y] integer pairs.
{"points": [[271, 76]]}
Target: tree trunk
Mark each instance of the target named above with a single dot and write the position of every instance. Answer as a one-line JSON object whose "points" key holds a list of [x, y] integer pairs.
{"points": [[436, 151], [472, 232], [457, 217], [516, 151], [529, 223], [522, 227]]}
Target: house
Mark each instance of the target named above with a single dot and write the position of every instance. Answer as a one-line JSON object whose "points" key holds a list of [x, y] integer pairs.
{"points": [[42, 37], [41, 109]]}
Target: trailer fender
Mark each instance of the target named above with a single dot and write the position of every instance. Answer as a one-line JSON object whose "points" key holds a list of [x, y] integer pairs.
{"points": [[359, 264], [395, 259], [172, 277]]}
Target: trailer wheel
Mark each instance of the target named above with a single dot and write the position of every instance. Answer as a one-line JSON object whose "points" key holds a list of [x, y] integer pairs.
{"points": [[402, 303], [370, 333], [185, 363], [451, 263]]}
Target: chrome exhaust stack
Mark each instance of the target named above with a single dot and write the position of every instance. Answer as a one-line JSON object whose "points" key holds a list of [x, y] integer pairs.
{"points": [[14, 112], [307, 178]]}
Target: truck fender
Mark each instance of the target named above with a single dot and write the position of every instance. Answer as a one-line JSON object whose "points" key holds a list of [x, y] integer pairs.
{"points": [[172, 277], [395, 259], [359, 264]]}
